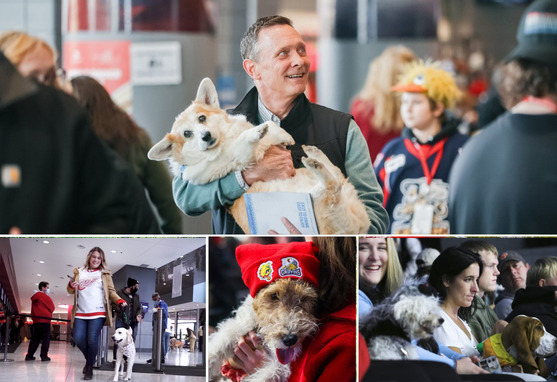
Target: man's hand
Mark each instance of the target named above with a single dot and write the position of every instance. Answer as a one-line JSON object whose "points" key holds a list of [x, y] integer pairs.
{"points": [[467, 366], [292, 230], [276, 164]]}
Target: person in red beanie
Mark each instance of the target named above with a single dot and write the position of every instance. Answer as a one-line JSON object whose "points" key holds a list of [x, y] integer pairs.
{"points": [[331, 354], [42, 308]]}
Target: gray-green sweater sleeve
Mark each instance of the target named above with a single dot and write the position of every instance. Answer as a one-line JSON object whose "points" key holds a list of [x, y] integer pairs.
{"points": [[195, 199], [360, 173]]}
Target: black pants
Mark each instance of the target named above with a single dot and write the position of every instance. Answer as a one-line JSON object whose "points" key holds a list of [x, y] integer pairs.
{"points": [[41, 334]]}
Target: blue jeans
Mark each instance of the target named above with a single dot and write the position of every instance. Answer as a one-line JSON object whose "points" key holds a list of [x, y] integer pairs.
{"points": [[165, 343], [86, 335]]}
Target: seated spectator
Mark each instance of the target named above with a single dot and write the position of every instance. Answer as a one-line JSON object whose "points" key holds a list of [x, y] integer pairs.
{"points": [[538, 299], [513, 273], [379, 269], [454, 274], [484, 319]]}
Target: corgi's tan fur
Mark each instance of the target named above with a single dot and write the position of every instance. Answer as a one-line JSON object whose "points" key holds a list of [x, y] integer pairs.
{"points": [[211, 144]]}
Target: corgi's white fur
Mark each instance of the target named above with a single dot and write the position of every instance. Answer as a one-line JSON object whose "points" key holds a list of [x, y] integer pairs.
{"points": [[211, 144]]}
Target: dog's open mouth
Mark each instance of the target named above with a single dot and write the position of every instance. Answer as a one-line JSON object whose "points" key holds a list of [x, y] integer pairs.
{"points": [[285, 356], [116, 341]]}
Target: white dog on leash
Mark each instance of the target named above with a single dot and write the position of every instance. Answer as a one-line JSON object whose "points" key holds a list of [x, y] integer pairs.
{"points": [[125, 353]]}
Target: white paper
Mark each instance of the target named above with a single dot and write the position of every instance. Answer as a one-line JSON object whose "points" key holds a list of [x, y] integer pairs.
{"points": [[266, 209]]}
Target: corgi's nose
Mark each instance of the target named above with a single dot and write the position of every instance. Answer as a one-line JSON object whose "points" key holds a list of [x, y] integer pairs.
{"points": [[290, 339], [206, 137], [441, 321]]}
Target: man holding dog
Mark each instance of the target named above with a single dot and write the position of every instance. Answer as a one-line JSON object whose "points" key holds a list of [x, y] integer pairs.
{"points": [[275, 58]]}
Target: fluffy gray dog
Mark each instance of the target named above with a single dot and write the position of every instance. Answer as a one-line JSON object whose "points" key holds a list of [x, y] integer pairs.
{"points": [[411, 313]]}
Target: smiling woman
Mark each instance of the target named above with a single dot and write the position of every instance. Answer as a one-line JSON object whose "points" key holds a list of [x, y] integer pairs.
{"points": [[379, 270]]}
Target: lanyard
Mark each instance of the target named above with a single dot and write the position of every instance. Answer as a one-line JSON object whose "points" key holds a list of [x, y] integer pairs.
{"points": [[542, 101], [422, 152]]}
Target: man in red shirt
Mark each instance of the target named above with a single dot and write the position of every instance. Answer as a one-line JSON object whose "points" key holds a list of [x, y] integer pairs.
{"points": [[2, 324], [42, 308]]}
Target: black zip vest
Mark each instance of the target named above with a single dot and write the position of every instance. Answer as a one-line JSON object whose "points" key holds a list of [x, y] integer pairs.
{"points": [[309, 124]]}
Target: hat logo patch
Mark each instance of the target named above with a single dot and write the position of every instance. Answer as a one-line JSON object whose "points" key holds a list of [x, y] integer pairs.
{"points": [[540, 23], [504, 256], [290, 267], [265, 271]]}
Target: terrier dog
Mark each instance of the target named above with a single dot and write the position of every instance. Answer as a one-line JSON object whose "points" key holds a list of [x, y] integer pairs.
{"points": [[282, 279], [208, 144], [524, 342], [407, 315], [125, 353], [282, 315]]}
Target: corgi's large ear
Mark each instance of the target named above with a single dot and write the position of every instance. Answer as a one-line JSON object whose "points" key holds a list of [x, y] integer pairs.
{"points": [[207, 93], [161, 150]]}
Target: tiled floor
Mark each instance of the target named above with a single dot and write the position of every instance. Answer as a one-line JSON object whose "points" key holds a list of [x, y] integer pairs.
{"points": [[67, 364]]}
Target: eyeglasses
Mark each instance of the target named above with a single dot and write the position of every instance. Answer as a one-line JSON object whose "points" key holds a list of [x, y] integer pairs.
{"points": [[53, 77]]}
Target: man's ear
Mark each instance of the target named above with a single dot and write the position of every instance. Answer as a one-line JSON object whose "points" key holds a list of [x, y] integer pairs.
{"points": [[438, 111], [251, 69], [541, 282]]}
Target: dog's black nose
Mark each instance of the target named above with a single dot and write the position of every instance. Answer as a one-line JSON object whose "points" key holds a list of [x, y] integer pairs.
{"points": [[290, 339], [441, 321], [206, 137]]}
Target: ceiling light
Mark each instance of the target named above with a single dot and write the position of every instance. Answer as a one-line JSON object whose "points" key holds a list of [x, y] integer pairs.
{"points": [[38, 274], [41, 262], [113, 251], [46, 241]]}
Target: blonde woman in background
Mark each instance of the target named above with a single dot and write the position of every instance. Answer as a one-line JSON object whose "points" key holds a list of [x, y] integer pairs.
{"points": [[32, 56], [379, 270], [375, 109]]}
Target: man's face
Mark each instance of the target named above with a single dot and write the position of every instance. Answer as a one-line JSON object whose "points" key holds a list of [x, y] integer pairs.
{"points": [[513, 276], [488, 279], [281, 68]]}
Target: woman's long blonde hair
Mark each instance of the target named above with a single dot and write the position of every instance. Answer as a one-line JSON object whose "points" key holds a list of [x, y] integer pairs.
{"points": [[16, 45], [395, 275], [383, 73]]}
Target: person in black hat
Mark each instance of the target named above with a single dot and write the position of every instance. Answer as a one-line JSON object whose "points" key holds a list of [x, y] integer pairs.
{"points": [[131, 315], [504, 181], [513, 275]]}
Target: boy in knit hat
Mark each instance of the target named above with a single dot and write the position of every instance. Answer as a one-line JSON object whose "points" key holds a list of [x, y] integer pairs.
{"points": [[413, 170]]}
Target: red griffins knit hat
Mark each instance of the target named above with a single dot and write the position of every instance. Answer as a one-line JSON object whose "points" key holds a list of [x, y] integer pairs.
{"points": [[263, 264]]}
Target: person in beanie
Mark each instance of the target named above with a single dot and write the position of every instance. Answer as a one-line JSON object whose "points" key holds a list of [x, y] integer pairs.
{"points": [[519, 146], [131, 315], [513, 275], [413, 170], [42, 308], [331, 354]]}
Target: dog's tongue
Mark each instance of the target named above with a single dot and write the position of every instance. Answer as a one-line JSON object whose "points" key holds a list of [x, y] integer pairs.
{"points": [[285, 356]]}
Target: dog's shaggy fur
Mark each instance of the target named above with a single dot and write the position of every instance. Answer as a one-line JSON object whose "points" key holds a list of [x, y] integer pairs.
{"points": [[407, 315], [125, 353], [211, 144], [282, 315]]}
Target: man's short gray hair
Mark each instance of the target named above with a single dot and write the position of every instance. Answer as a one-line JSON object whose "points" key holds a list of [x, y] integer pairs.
{"points": [[248, 46]]}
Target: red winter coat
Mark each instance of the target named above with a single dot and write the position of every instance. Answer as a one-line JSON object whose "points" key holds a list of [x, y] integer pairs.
{"points": [[331, 354], [41, 306]]}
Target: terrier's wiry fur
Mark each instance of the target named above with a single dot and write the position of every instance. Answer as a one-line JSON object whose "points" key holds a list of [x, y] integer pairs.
{"points": [[210, 143], [282, 315], [405, 316]]}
